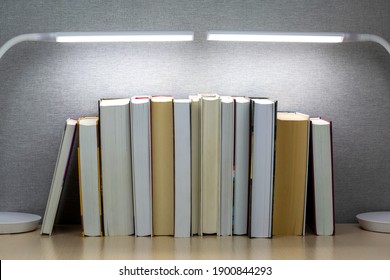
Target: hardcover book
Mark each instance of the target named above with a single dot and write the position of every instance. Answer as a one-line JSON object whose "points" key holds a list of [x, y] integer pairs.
{"points": [[163, 165], [320, 196], [67, 141], [291, 164], [141, 164], [114, 116], [89, 176]]}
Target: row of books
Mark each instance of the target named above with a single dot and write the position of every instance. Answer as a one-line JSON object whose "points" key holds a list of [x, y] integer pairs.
{"points": [[208, 164]]}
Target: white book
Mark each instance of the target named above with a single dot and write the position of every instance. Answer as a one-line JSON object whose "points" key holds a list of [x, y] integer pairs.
{"points": [[57, 183], [210, 164], [141, 164], [241, 164], [264, 114], [195, 164], [320, 204], [227, 153], [89, 176], [116, 166], [182, 130]]}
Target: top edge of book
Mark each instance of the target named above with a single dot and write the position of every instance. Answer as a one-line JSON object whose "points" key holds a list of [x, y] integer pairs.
{"points": [[88, 121], [227, 99], [114, 102], [210, 96], [263, 101], [162, 99], [71, 121], [292, 116], [140, 99], [194, 98], [183, 100], [241, 99], [318, 121]]}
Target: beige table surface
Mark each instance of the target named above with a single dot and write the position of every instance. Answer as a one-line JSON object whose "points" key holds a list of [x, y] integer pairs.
{"points": [[350, 242]]}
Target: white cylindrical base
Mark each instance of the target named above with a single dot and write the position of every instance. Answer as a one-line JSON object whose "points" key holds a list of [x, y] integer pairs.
{"points": [[375, 221], [13, 222]]}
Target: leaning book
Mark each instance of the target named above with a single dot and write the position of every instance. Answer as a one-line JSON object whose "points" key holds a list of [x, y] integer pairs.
{"points": [[59, 175], [320, 189]]}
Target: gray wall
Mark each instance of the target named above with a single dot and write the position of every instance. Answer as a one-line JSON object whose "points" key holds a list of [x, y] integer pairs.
{"points": [[42, 84]]}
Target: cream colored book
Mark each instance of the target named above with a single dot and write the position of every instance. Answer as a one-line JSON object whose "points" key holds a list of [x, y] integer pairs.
{"points": [[210, 163], [291, 165], [114, 116], [162, 165], [195, 164], [89, 176]]}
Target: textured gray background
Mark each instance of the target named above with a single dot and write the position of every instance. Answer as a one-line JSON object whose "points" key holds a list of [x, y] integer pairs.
{"points": [[42, 84]]}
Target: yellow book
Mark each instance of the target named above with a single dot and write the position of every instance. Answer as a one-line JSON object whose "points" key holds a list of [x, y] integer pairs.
{"points": [[291, 158], [162, 165]]}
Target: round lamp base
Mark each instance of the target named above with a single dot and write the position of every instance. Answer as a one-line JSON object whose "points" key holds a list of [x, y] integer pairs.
{"points": [[375, 221], [13, 222]]}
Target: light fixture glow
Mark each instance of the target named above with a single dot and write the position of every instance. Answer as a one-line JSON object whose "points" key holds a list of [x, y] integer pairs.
{"points": [[276, 37], [90, 37]]}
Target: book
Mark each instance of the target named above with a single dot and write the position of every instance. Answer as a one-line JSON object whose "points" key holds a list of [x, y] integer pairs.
{"points": [[262, 184], [241, 165], [320, 192], [210, 108], [195, 164], [291, 164], [227, 155], [182, 128], [141, 164], [162, 165], [117, 190], [89, 177], [67, 141]]}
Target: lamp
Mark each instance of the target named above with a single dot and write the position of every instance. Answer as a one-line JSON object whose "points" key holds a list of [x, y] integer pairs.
{"points": [[372, 221], [13, 222], [296, 37]]}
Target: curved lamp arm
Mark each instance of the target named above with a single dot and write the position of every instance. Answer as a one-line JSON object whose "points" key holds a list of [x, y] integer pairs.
{"points": [[296, 37], [351, 37], [90, 37]]}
